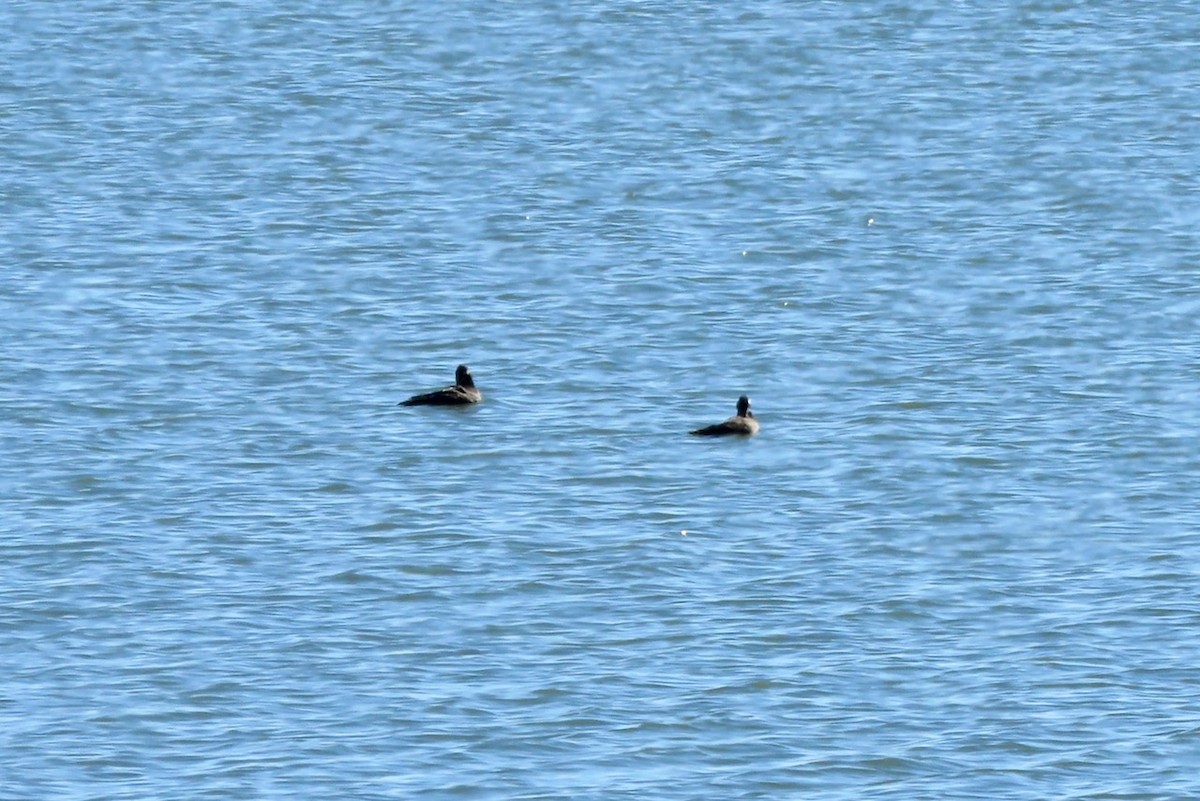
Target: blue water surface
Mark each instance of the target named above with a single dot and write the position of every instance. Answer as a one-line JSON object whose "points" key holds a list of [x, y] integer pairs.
{"points": [[949, 249]]}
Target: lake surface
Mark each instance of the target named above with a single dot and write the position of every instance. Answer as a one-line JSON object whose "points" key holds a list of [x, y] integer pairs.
{"points": [[950, 249]]}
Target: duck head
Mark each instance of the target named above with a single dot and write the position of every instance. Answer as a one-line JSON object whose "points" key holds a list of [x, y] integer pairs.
{"points": [[462, 377]]}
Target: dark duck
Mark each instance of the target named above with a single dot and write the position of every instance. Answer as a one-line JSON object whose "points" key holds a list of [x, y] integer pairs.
{"points": [[743, 423], [462, 393]]}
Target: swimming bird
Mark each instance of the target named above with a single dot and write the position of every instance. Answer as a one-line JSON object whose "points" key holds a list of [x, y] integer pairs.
{"points": [[742, 423], [462, 393]]}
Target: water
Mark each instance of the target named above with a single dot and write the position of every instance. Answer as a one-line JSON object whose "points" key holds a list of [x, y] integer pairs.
{"points": [[949, 249]]}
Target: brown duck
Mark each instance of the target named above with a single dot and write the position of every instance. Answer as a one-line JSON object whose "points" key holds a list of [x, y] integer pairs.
{"points": [[462, 393], [742, 423]]}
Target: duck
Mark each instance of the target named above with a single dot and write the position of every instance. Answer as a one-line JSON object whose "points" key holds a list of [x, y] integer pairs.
{"points": [[462, 393], [743, 423]]}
